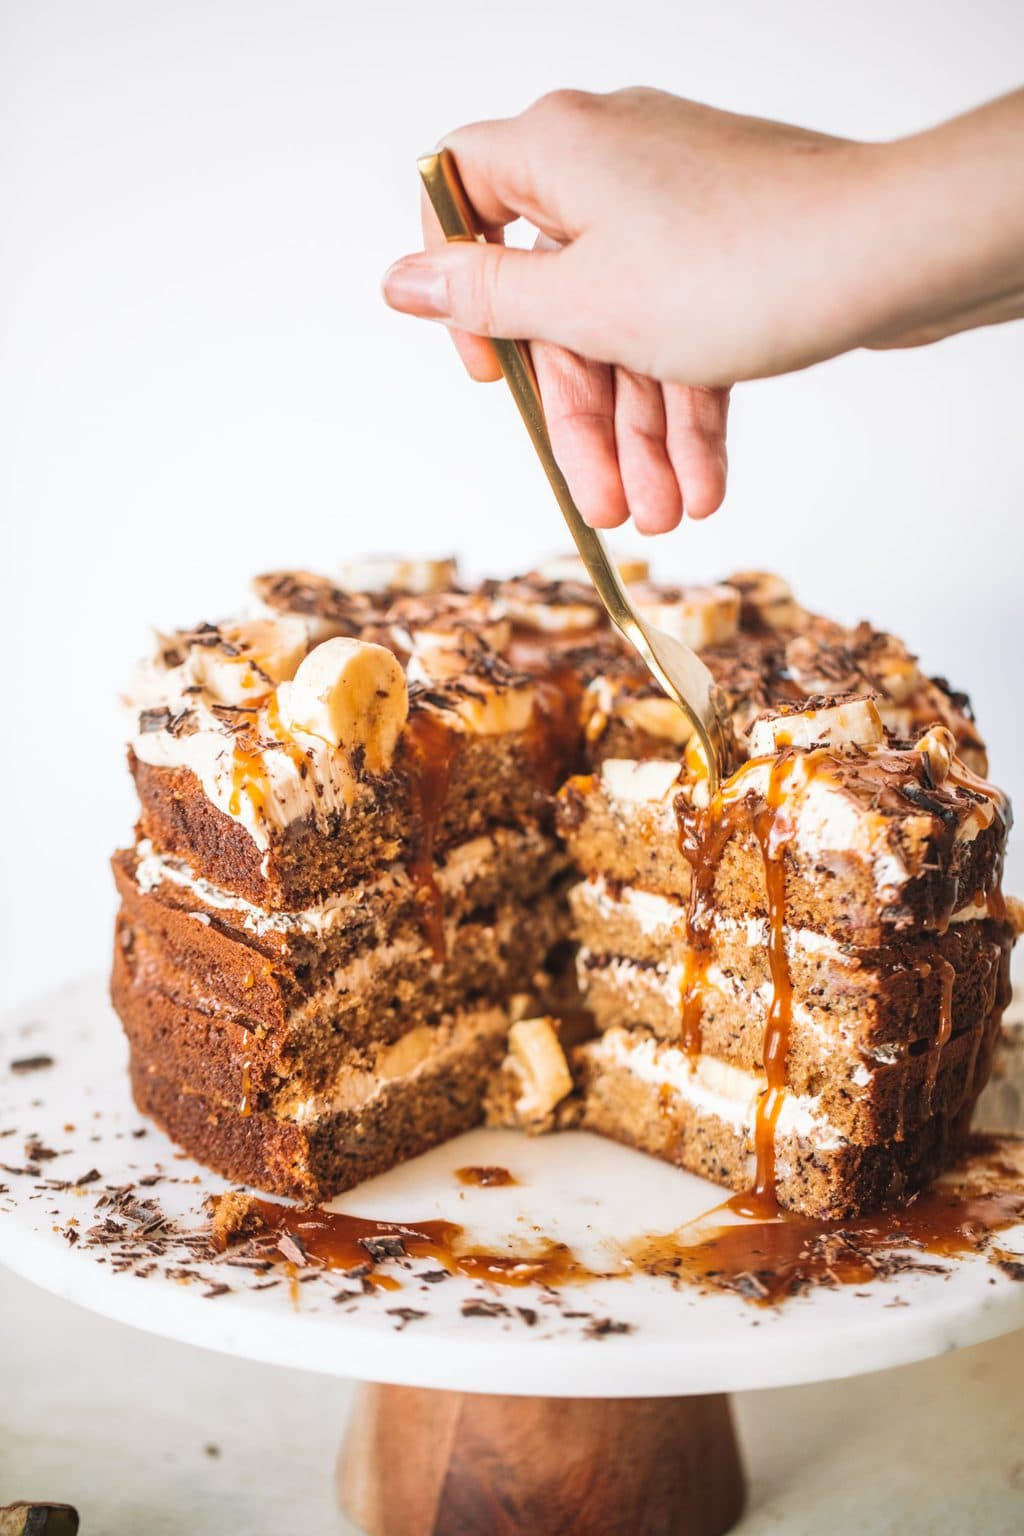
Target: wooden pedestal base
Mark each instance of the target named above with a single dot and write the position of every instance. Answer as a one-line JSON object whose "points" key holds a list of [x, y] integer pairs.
{"points": [[423, 1463]]}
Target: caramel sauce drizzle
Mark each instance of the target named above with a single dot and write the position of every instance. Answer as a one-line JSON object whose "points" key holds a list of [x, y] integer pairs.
{"points": [[691, 1001], [703, 837], [771, 833], [432, 749], [248, 776], [702, 841], [947, 977], [554, 730], [281, 736]]}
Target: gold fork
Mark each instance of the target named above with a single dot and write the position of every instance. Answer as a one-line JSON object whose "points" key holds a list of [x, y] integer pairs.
{"points": [[677, 669]]}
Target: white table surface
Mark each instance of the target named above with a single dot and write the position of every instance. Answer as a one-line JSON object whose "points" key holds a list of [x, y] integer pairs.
{"points": [[124, 1425]]}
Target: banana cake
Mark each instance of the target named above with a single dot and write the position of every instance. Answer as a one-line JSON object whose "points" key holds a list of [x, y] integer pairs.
{"points": [[411, 853]]}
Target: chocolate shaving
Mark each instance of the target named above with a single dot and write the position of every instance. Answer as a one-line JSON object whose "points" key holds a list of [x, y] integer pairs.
{"points": [[151, 720], [931, 803], [31, 1064], [477, 1307], [603, 1327], [182, 724], [292, 1248], [380, 1248], [406, 1315]]}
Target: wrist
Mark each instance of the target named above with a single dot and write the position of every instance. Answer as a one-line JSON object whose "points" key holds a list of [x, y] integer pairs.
{"points": [[949, 231]]}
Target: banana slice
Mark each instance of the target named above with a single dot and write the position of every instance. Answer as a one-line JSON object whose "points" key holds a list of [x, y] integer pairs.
{"points": [[699, 616], [767, 599], [553, 608], [654, 715], [241, 661], [384, 574], [821, 664], [645, 781], [482, 690], [325, 608], [572, 568], [939, 746], [422, 624], [351, 694], [853, 722], [536, 1057]]}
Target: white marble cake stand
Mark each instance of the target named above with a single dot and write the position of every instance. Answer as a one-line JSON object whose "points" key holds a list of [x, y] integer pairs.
{"points": [[637, 1413]]}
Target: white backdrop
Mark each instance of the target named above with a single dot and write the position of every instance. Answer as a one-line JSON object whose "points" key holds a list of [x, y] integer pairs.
{"points": [[198, 379]]}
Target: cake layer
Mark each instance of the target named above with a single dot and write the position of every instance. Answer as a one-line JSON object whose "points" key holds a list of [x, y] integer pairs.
{"points": [[863, 1102], [621, 823], [851, 1006], [308, 946], [864, 846], [426, 805], [647, 1096], [319, 1157], [274, 1044]]}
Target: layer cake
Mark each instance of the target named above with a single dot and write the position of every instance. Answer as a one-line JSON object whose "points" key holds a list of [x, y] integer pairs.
{"points": [[395, 833]]}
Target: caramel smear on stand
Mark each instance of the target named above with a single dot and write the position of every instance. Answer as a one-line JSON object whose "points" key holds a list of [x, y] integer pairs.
{"points": [[768, 1260], [485, 1178], [763, 1259], [335, 1240]]}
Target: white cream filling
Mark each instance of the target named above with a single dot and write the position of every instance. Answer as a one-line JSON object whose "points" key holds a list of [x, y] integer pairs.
{"points": [[655, 915], [640, 781], [465, 863], [712, 1087], [667, 982]]}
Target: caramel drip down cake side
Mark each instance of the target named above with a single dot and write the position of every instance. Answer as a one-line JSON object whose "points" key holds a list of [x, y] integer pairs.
{"points": [[349, 927], [798, 986]]}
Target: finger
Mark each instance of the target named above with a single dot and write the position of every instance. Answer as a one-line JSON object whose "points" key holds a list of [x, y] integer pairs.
{"points": [[695, 420], [579, 404], [476, 352], [652, 490], [486, 289], [510, 167]]}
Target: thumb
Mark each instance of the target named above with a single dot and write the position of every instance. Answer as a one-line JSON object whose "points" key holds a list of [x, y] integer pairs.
{"points": [[488, 290]]}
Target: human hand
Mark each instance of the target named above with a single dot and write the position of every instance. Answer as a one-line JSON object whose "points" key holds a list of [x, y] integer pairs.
{"points": [[683, 248], [607, 182]]}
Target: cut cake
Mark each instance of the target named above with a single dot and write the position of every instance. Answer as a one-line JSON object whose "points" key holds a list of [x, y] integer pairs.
{"points": [[403, 844]]}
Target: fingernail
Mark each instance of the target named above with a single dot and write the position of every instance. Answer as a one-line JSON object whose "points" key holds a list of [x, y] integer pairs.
{"points": [[417, 286]]}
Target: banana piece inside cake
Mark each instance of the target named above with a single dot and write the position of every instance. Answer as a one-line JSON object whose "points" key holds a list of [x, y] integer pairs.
{"points": [[412, 853]]}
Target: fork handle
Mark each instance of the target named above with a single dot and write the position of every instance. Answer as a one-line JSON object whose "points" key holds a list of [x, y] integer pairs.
{"points": [[458, 221]]}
